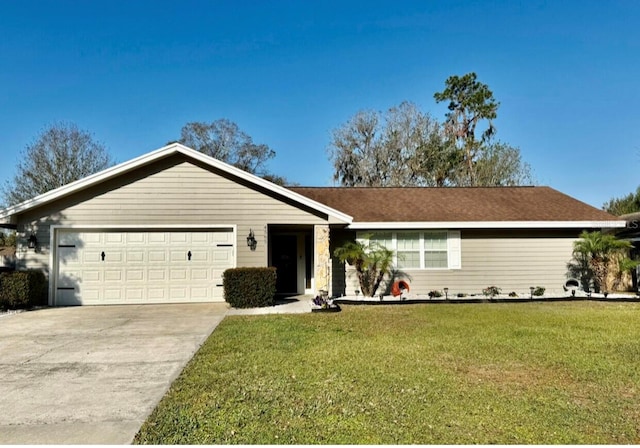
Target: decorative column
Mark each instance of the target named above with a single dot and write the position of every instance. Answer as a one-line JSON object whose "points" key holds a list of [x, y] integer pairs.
{"points": [[322, 259]]}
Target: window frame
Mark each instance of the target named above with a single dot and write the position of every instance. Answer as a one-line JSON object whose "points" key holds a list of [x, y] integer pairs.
{"points": [[451, 238]]}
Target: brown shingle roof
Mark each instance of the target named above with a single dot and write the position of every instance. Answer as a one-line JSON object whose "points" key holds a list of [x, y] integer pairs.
{"points": [[454, 204]]}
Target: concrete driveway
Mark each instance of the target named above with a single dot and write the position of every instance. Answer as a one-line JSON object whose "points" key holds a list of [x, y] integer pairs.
{"points": [[92, 375]]}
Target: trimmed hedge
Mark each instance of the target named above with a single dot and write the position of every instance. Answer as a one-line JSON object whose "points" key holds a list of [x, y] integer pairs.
{"points": [[22, 289], [250, 287]]}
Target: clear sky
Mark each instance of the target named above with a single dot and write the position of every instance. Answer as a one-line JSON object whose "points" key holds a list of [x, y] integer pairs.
{"points": [[289, 72]]}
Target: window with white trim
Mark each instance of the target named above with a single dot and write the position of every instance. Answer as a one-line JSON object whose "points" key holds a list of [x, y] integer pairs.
{"points": [[429, 249]]}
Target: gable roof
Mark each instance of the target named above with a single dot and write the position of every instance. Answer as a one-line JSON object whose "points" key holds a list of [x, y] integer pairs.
{"points": [[477, 207], [167, 151]]}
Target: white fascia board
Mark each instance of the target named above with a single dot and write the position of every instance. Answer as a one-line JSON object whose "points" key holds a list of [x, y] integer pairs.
{"points": [[488, 225], [163, 152]]}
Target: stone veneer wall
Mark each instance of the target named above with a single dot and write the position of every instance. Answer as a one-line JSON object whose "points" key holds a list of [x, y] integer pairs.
{"points": [[322, 257]]}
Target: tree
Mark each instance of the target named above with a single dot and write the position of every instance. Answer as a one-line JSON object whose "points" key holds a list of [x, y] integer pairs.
{"points": [[624, 205], [403, 147], [603, 252], [61, 154], [470, 102], [501, 165], [224, 140], [406, 147], [371, 262]]}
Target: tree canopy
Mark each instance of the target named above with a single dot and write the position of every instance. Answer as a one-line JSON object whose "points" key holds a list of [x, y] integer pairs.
{"points": [[470, 101], [624, 205], [394, 149], [224, 140], [61, 154], [408, 147]]}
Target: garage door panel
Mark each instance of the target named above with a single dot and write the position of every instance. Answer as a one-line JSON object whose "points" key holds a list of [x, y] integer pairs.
{"points": [[71, 278], [141, 267], [200, 237], [67, 297], [158, 256], [178, 293], [222, 237], [113, 275], [136, 238], [199, 274], [134, 294], [200, 293], [157, 294], [113, 238], [157, 237], [135, 275], [91, 294], [91, 257], [178, 255], [113, 295], [135, 256], [178, 274], [112, 257], [87, 238], [178, 237], [199, 256], [158, 275], [92, 276]]}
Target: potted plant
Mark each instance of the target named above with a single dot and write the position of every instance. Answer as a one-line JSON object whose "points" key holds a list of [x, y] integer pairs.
{"points": [[323, 304]]}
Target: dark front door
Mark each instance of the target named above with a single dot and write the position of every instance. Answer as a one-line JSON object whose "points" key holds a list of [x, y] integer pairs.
{"points": [[284, 254]]}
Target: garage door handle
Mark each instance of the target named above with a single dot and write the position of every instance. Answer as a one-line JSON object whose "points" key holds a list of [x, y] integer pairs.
{"points": [[189, 255], [102, 255]]}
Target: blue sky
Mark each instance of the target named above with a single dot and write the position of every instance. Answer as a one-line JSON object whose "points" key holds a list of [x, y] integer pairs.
{"points": [[289, 72]]}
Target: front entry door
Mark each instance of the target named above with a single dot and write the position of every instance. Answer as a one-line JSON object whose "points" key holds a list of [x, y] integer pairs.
{"points": [[284, 256]]}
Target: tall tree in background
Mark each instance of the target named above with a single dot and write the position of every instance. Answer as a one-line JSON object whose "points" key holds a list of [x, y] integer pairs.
{"points": [[399, 148], [624, 205], [224, 140], [501, 165], [61, 154], [406, 147], [470, 102]]}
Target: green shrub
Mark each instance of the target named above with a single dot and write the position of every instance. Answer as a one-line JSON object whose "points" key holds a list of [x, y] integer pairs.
{"points": [[22, 289], [250, 287], [435, 293], [539, 291], [491, 291]]}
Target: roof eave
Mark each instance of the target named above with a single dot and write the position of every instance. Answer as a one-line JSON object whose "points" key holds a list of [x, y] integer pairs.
{"points": [[488, 225], [166, 151]]}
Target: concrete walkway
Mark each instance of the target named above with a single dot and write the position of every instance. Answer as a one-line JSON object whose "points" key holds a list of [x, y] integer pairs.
{"points": [[290, 305], [92, 375]]}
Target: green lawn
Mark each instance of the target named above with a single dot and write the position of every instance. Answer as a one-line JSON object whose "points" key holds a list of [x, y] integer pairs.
{"points": [[543, 373]]}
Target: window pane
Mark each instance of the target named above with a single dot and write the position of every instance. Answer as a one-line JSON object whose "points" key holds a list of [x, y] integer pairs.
{"points": [[435, 241], [408, 260], [384, 239], [435, 260], [408, 241]]}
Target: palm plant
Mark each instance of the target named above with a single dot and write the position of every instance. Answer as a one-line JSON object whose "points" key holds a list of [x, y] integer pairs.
{"points": [[600, 250], [371, 262]]}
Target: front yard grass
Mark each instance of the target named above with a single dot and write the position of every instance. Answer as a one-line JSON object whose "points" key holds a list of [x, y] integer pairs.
{"points": [[532, 373]]}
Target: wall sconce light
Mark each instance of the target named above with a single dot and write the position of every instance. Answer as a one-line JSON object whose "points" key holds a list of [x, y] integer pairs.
{"points": [[32, 241], [251, 240], [531, 288], [446, 293]]}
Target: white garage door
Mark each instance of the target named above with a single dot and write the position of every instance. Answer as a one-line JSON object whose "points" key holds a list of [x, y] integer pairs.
{"points": [[123, 267]]}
